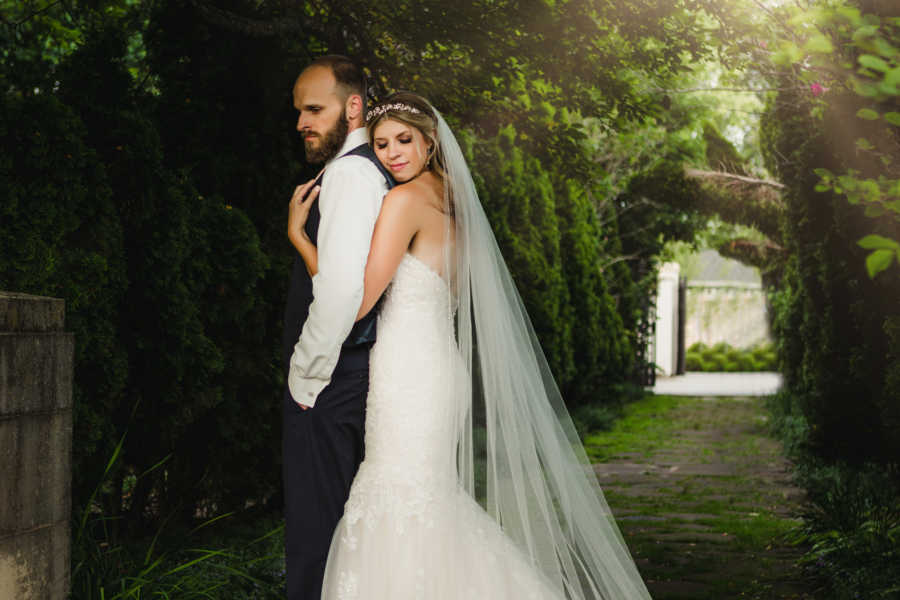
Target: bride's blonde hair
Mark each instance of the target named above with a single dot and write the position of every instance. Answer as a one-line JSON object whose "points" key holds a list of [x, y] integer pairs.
{"points": [[415, 111]]}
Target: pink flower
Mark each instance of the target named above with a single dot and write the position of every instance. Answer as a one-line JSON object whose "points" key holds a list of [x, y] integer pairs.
{"points": [[817, 89], [763, 44]]}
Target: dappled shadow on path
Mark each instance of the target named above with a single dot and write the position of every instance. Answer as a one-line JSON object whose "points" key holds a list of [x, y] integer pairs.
{"points": [[705, 505]]}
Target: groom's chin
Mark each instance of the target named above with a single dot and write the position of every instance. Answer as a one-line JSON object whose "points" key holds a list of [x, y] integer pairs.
{"points": [[315, 156]]}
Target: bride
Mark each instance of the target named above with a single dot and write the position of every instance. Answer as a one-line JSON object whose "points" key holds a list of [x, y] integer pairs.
{"points": [[462, 410]]}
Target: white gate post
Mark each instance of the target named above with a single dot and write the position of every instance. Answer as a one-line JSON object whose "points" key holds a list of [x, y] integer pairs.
{"points": [[667, 319]]}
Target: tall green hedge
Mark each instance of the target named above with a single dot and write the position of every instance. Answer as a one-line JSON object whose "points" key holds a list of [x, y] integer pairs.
{"points": [[159, 283], [836, 328], [520, 201], [551, 240], [62, 237], [603, 347]]}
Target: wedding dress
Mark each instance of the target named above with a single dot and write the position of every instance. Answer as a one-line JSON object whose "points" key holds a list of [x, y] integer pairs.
{"points": [[462, 405], [409, 530]]}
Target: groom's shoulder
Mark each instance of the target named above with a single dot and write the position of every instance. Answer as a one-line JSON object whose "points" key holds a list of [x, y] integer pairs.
{"points": [[354, 167]]}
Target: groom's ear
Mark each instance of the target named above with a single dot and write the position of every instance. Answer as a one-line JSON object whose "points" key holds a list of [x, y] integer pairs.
{"points": [[354, 107]]}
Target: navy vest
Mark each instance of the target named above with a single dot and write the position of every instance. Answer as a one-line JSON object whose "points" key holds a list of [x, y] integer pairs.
{"points": [[300, 292]]}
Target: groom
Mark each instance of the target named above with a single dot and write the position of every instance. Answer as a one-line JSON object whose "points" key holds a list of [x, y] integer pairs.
{"points": [[325, 353]]}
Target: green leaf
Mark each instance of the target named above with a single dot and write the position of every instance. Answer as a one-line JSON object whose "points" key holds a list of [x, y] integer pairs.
{"points": [[878, 261], [867, 90], [788, 54], [892, 77], [870, 190], [867, 113], [873, 62], [884, 48], [848, 182], [864, 144], [876, 242], [893, 118], [850, 14], [874, 210], [819, 44], [892, 187], [888, 90], [866, 31]]}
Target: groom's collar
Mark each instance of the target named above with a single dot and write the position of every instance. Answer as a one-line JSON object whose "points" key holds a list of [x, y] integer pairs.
{"points": [[357, 137]]}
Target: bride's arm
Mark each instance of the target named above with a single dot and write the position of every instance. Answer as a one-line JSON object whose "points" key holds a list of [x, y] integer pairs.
{"points": [[395, 228], [397, 224]]}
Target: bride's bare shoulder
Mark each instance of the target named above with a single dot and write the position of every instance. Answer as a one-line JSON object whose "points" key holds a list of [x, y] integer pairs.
{"points": [[415, 195]]}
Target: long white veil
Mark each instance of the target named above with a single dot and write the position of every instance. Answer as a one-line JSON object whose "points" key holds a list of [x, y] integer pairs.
{"points": [[525, 456]]}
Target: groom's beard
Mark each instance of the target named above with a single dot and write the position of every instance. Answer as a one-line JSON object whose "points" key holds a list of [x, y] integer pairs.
{"points": [[330, 144]]}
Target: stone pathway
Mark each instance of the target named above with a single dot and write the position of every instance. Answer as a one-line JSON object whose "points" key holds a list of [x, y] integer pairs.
{"points": [[704, 498]]}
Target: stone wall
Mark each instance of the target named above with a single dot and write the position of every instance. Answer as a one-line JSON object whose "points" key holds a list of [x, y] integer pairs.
{"points": [[35, 447], [726, 311]]}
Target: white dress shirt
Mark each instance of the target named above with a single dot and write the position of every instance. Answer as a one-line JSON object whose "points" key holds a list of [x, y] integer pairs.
{"points": [[349, 202]]}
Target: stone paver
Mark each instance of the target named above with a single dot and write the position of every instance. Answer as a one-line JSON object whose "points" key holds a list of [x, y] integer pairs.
{"points": [[719, 384], [705, 515]]}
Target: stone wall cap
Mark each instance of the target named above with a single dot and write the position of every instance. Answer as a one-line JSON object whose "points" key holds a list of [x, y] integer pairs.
{"points": [[740, 285], [27, 312]]}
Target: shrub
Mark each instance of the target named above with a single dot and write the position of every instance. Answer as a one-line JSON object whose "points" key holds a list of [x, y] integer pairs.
{"points": [[723, 357], [851, 516], [590, 418], [220, 558], [852, 525]]}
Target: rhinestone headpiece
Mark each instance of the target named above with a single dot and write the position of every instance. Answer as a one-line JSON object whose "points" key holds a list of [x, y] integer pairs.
{"points": [[380, 110]]}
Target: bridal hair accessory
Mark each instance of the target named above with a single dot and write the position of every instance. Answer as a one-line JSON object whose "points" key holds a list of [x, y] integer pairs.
{"points": [[380, 110]]}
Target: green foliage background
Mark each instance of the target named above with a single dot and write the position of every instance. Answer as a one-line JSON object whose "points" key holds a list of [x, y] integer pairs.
{"points": [[149, 151], [836, 317]]}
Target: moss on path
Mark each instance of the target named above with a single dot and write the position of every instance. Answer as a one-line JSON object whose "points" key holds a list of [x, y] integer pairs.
{"points": [[704, 498]]}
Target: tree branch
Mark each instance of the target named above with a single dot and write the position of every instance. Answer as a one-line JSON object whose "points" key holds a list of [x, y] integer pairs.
{"points": [[246, 25], [610, 263], [722, 175], [731, 89], [15, 24]]}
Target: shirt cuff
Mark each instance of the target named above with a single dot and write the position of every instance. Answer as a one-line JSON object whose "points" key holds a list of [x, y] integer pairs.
{"points": [[305, 390]]}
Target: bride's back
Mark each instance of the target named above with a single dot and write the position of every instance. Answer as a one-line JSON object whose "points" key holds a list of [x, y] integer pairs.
{"points": [[436, 226]]}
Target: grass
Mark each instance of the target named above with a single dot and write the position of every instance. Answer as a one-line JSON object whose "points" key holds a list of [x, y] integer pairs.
{"points": [[642, 429], [223, 558]]}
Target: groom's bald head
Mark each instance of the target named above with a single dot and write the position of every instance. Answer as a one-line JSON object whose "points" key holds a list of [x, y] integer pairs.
{"points": [[349, 79]]}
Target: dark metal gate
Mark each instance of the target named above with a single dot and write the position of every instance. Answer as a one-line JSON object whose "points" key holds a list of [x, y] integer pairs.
{"points": [[645, 345], [682, 312]]}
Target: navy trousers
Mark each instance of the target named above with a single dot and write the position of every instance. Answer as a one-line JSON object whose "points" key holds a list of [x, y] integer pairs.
{"points": [[322, 448]]}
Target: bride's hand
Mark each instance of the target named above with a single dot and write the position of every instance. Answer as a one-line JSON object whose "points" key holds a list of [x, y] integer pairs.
{"points": [[298, 212]]}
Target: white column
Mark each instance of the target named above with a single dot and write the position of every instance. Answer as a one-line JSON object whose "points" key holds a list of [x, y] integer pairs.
{"points": [[667, 319]]}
